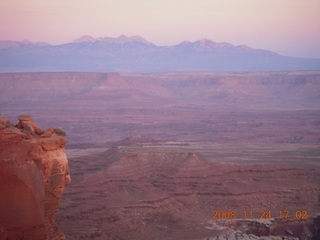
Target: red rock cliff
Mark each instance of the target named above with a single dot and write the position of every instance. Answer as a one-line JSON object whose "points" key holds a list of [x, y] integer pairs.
{"points": [[33, 174]]}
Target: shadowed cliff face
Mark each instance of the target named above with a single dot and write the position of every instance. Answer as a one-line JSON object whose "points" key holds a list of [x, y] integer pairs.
{"points": [[33, 174]]}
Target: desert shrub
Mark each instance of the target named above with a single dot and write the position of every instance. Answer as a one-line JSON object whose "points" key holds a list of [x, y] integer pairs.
{"points": [[60, 132], [6, 124]]}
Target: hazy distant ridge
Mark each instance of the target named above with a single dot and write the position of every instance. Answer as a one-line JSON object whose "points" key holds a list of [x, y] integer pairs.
{"points": [[135, 54]]}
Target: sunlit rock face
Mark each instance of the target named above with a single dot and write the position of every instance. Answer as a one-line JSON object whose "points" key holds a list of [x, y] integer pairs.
{"points": [[33, 174]]}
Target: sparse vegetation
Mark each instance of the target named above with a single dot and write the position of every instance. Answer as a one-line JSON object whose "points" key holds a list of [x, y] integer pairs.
{"points": [[6, 124], [60, 132]]}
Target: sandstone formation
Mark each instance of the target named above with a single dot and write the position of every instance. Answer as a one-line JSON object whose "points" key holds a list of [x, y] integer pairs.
{"points": [[263, 107], [155, 193], [236, 118], [33, 174]]}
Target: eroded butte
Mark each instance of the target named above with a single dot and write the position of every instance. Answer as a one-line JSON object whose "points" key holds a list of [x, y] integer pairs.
{"points": [[186, 144], [153, 193]]}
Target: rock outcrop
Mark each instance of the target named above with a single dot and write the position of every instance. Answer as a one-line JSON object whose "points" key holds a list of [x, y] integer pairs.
{"points": [[33, 174]]}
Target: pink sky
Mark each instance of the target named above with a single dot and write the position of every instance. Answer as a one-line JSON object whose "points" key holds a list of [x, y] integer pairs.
{"points": [[289, 27]]}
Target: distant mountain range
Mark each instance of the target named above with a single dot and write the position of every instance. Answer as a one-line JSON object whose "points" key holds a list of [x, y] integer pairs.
{"points": [[135, 54]]}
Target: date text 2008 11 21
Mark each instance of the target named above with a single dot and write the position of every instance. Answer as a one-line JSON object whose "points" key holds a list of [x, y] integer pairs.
{"points": [[260, 215]]}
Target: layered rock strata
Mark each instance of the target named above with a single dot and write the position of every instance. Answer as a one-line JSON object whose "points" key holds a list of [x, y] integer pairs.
{"points": [[153, 193], [33, 174]]}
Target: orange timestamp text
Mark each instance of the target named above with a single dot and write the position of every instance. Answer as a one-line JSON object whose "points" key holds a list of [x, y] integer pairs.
{"points": [[260, 215]]}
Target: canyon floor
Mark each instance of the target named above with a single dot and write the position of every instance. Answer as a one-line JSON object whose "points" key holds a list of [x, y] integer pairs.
{"points": [[153, 156], [170, 191]]}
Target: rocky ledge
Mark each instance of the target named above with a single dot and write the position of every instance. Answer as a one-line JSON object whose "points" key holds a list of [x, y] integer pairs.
{"points": [[33, 174]]}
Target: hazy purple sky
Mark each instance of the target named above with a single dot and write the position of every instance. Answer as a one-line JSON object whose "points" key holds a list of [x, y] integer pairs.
{"points": [[289, 27]]}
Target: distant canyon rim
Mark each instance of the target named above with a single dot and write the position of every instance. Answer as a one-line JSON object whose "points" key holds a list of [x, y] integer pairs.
{"points": [[152, 155], [95, 108]]}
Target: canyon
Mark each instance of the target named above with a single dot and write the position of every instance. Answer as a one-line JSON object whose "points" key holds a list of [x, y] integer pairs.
{"points": [[155, 193], [153, 155], [264, 107]]}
